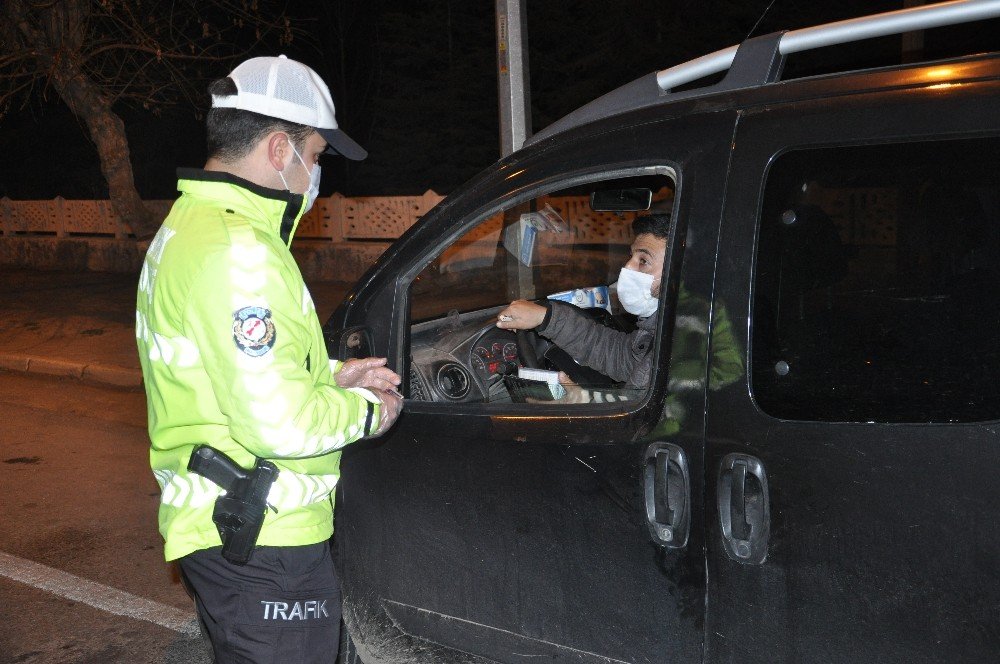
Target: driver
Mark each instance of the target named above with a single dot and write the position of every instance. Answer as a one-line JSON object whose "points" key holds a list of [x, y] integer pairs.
{"points": [[625, 357]]}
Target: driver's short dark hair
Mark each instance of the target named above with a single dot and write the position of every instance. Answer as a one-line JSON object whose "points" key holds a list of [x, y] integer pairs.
{"points": [[656, 224], [232, 134]]}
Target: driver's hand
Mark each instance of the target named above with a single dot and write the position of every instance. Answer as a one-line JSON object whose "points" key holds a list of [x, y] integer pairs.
{"points": [[521, 315], [370, 373], [574, 394]]}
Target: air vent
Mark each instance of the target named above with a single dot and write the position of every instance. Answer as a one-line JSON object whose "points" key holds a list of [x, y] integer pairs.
{"points": [[417, 391], [453, 381]]}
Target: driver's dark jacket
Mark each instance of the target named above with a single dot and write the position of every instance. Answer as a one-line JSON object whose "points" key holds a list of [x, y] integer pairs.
{"points": [[623, 356]]}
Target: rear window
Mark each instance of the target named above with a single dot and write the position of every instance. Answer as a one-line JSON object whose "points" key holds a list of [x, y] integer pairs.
{"points": [[877, 282]]}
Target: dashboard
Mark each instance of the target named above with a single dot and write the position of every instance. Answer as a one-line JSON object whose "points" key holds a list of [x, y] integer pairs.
{"points": [[493, 356], [461, 358]]}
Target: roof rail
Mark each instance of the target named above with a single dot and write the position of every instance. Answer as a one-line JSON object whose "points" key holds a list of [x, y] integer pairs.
{"points": [[760, 60], [840, 32]]}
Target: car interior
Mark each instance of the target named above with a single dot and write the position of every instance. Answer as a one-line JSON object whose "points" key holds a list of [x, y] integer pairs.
{"points": [[567, 245]]}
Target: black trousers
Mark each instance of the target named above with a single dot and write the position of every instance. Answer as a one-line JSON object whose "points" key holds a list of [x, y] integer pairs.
{"points": [[281, 607]]}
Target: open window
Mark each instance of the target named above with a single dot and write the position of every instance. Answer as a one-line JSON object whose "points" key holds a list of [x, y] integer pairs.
{"points": [[567, 244]]}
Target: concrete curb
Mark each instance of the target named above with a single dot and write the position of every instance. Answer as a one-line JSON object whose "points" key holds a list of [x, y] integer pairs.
{"points": [[14, 362], [105, 374], [112, 375]]}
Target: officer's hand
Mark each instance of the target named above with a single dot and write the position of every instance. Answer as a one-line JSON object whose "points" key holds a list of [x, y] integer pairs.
{"points": [[370, 373], [521, 315], [392, 405]]}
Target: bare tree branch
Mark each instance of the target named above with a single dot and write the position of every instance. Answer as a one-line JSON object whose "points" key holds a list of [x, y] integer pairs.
{"points": [[95, 53]]}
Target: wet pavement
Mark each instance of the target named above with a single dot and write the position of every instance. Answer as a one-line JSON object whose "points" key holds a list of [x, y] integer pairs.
{"points": [[82, 324]]}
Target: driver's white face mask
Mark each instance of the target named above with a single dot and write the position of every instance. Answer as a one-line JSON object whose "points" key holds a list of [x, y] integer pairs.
{"points": [[635, 292], [313, 191]]}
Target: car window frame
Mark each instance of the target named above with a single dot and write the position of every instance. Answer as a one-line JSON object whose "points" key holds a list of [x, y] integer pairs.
{"points": [[519, 196]]}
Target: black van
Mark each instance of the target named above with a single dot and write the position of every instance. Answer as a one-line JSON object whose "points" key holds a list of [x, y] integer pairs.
{"points": [[812, 474]]}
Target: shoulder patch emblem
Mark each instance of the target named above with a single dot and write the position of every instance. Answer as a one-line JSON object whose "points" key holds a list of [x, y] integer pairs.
{"points": [[253, 330]]}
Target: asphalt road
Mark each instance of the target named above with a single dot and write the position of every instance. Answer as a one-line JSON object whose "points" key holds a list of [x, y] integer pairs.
{"points": [[82, 574]]}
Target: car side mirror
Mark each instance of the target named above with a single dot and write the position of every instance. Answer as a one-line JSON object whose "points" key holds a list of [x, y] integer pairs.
{"points": [[350, 343]]}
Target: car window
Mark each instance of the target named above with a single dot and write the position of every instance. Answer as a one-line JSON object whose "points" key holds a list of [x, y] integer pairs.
{"points": [[554, 247], [877, 272]]}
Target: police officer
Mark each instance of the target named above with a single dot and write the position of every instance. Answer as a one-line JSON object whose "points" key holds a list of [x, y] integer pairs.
{"points": [[233, 357]]}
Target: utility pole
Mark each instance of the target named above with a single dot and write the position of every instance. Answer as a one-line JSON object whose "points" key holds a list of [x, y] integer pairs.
{"points": [[512, 74], [515, 120]]}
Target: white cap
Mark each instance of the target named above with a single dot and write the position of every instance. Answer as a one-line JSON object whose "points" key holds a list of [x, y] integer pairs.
{"points": [[288, 90]]}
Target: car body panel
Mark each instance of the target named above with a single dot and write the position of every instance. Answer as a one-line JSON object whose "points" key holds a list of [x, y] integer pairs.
{"points": [[474, 534], [505, 531], [883, 545]]}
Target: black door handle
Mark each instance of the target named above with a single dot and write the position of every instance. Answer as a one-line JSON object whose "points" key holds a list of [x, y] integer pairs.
{"points": [[744, 508], [661, 488], [738, 501], [667, 489]]}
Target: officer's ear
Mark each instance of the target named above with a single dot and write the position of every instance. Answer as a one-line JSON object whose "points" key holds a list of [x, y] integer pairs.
{"points": [[278, 150]]}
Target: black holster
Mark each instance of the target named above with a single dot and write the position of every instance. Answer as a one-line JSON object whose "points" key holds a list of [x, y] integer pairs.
{"points": [[239, 514]]}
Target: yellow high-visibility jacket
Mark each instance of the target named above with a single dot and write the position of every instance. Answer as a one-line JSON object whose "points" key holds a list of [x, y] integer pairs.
{"points": [[233, 356]]}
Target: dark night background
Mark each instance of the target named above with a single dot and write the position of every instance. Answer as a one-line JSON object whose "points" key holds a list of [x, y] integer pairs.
{"points": [[415, 83]]}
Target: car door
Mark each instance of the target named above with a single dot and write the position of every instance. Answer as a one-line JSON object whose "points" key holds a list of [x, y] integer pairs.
{"points": [[507, 532], [851, 477]]}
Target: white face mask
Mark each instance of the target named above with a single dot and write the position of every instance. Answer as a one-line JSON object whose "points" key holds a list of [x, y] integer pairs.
{"points": [[313, 191], [635, 292]]}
